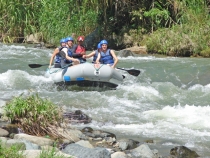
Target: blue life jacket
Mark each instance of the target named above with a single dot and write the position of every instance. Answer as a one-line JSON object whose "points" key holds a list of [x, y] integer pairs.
{"points": [[107, 58], [58, 57], [69, 52], [95, 56]]}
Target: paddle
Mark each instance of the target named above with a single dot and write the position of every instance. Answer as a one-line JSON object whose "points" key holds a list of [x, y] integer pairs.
{"points": [[133, 72], [36, 65]]}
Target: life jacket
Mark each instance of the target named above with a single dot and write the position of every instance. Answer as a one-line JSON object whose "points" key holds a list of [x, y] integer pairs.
{"points": [[58, 56], [80, 48], [69, 53], [107, 58], [73, 48], [95, 56]]}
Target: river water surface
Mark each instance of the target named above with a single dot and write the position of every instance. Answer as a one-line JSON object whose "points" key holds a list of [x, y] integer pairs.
{"points": [[168, 102]]}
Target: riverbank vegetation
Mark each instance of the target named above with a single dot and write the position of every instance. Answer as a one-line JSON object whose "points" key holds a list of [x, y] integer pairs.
{"points": [[35, 116], [170, 27]]}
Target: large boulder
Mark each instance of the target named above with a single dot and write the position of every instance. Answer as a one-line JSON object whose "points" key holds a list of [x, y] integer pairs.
{"points": [[33, 38], [183, 152], [138, 49], [125, 53]]}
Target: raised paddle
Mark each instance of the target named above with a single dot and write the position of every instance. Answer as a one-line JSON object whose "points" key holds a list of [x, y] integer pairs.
{"points": [[36, 65], [133, 72]]}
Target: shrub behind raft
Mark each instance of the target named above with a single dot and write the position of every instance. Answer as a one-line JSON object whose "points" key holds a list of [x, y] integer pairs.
{"points": [[34, 115]]}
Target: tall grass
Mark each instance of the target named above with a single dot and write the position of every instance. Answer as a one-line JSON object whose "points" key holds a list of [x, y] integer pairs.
{"points": [[34, 115], [17, 18], [61, 18]]}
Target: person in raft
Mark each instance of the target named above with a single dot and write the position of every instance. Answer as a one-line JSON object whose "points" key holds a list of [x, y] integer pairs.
{"points": [[94, 54], [56, 55], [107, 56], [66, 54], [80, 50]]}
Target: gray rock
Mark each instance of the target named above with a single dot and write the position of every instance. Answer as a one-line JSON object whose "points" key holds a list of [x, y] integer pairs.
{"points": [[125, 144], [119, 155], [31, 146], [41, 141], [142, 151], [125, 53], [84, 144], [3, 133], [82, 152], [21, 145]]}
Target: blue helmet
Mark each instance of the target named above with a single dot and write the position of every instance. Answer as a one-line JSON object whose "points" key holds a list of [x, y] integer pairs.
{"points": [[104, 42], [63, 40], [99, 46], [69, 39]]}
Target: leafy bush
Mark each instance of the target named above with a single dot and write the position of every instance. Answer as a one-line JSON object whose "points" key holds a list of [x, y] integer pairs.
{"points": [[34, 115]]}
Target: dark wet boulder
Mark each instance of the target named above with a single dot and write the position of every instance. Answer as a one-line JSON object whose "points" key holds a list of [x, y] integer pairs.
{"points": [[77, 117], [87, 129], [183, 152]]}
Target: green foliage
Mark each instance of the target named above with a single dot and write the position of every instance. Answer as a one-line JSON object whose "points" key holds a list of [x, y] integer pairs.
{"points": [[17, 18], [157, 16], [182, 40], [205, 53], [34, 115], [11, 152], [51, 154]]}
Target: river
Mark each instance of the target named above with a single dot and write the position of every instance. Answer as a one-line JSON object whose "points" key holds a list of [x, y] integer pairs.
{"points": [[168, 102]]}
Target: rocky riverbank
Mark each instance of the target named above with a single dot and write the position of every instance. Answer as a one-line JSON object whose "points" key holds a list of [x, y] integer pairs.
{"points": [[85, 143]]}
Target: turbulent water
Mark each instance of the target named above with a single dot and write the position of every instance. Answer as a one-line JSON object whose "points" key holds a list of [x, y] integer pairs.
{"points": [[168, 102]]}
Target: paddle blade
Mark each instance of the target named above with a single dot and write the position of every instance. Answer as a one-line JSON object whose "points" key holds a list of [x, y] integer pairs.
{"points": [[134, 72], [36, 65]]}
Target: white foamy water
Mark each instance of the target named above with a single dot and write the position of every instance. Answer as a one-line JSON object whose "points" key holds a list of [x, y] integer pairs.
{"points": [[168, 102]]}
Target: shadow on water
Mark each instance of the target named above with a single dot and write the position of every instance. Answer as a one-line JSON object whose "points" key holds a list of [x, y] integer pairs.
{"points": [[85, 86]]}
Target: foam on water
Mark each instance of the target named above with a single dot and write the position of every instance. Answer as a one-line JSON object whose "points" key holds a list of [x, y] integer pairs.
{"points": [[168, 101], [13, 79]]}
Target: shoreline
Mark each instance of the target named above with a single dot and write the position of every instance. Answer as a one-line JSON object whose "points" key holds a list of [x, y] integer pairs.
{"points": [[96, 138]]}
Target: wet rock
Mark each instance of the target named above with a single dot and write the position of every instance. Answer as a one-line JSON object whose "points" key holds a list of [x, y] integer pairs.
{"points": [[149, 141], [87, 129], [11, 128], [77, 117], [183, 152], [126, 144]]}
